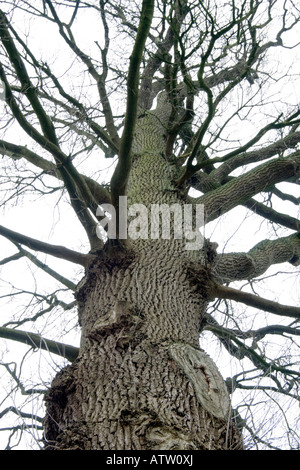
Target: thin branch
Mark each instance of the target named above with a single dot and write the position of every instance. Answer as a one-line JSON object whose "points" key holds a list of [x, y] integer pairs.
{"points": [[55, 303], [241, 350], [271, 214], [27, 86], [148, 89], [224, 292], [24, 391], [192, 151], [54, 250], [65, 32], [11, 258], [17, 152], [21, 414], [66, 282], [81, 197], [284, 196], [36, 341], [290, 121]]}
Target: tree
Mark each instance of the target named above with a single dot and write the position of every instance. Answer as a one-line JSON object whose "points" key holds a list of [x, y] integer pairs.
{"points": [[183, 99]]}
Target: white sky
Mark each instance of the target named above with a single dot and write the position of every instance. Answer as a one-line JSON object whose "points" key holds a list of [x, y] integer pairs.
{"points": [[39, 219]]}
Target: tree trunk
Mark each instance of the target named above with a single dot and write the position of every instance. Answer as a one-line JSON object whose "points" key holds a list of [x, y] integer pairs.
{"points": [[141, 381]]}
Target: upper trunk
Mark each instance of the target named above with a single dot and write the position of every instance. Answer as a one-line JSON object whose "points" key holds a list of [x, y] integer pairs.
{"points": [[141, 381]]}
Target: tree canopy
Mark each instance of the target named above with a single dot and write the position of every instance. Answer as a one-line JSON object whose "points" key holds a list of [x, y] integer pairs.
{"points": [[79, 80]]}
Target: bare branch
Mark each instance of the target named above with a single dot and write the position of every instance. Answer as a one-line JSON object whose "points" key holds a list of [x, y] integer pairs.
{"points": [[21, 414], [23, 389], [240, 350], [271, 214], [237, 266], [121, 173], [17, 152], [46, 268], [241, 189], [223, 292], [54, 250], [66, 33], [36, 341], [244, 158]]}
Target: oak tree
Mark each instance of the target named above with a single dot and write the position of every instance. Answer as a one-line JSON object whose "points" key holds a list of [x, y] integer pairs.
{"points": [[157, 128]]}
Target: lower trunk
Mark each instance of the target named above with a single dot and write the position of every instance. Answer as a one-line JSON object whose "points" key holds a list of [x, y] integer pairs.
{"points": [[141, 381]]}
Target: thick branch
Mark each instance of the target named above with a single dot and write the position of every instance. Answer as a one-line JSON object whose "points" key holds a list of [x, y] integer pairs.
{"points": [[240, 266], [245, 158], [239, 190]]}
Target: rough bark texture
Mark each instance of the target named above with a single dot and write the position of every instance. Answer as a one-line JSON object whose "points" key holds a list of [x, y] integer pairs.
{"points": [[141, 381]]}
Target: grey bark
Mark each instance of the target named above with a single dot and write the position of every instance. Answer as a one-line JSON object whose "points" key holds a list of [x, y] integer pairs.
{"points": [[230, 267], [141, 381]]}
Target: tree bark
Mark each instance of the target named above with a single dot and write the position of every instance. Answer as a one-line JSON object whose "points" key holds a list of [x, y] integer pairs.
{"points": [[141, 381]]}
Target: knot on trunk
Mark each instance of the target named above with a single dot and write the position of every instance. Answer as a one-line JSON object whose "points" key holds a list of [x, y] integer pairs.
{"points": [[123, 318], [209, 386]]}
